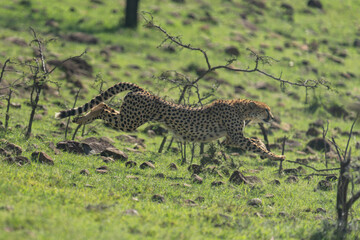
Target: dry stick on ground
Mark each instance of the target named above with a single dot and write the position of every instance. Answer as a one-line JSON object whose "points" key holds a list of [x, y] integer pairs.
{"points": [[343, 205], [68, 121], [149, 22], [317, 170]]}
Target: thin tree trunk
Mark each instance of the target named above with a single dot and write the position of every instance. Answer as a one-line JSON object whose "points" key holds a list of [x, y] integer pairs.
{"points": [[131, 12]]}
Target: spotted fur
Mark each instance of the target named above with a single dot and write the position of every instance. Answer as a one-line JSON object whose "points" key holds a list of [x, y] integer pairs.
{"points": [[222, 118]]}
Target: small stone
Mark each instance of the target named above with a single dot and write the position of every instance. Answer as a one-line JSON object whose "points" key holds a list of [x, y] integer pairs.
{"points": [[312, 132], [160, 175], [269, 195], [130, 164], [17, 150], [131, 212], [256, 202], [107, 159], [200, 199], [282, 214], [4, 153], [320, 210], [315, 4], [132, 177], [173, 166], [158, 198], [292, 179], [217, 183], [85, 172], [114, 153], [233, 51], [197, 179], [147, 165], [238, 178], [7, 208], [42, 157], [324, 185], [102, 169], [331, 178], [89, 186], [275, 182], [195, 168]]}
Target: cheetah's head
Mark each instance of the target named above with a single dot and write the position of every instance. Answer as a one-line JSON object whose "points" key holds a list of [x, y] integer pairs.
{"points": [[258, 112]]}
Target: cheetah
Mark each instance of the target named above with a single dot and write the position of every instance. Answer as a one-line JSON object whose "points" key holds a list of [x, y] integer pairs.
{"points": [[222, 118]]}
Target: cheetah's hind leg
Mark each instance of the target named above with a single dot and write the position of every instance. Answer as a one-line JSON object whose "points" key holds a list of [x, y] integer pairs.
{"points": [[95, 113]]}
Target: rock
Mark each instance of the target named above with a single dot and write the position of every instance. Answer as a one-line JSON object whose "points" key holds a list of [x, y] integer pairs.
{"points": [[292, 179], [13, 148], [324, 185], [337, 111], [115, 153], [320, 210], [256, 202], [315, 4], [98, 145], [200, 199], [160, 131], [196, 179], [233, 51], [173, 166], [195, 168], [160, 175], [81, 38], [238, 178], [132, 177], [74, 147], [102, 169], [253, 179], [158, 198], [4, 153], [282, 214], [356, 43], [130, 164], [19, 160], [131, 212], [132, 139], [107, 159], [312, 132], [217, 183], [319, 144], [42, 157], [331, 178], [147, 165], [85, 172], [275, 182]]}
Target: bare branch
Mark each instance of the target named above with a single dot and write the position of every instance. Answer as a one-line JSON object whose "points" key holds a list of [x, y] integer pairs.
{"points": [[317, 170], [3, 69]]}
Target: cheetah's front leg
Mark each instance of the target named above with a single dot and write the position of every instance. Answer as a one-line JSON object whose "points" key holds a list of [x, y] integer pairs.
{"points": [[252, 145], [95, 113]]}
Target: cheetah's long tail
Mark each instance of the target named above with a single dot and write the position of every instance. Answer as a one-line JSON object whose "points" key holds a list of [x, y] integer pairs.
{"points": [[117, 88]]}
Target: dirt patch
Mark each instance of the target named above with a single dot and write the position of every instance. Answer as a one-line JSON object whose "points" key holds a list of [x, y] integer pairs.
{"points": [[81, 38], [98, 144], [75, 66], [238, 178], [146, 165]]}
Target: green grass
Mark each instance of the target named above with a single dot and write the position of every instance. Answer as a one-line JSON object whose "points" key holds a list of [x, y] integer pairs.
{"points": [[57, 202]]}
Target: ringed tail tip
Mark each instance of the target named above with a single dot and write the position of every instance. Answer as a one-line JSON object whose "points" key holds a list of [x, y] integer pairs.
{"points": [[57, 115]]}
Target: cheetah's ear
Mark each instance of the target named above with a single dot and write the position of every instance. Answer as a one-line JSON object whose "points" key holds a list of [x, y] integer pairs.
{"points": [[252, 105]]}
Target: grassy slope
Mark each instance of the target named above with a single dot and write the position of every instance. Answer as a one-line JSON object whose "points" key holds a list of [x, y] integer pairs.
{"points": [[50, 202]]}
